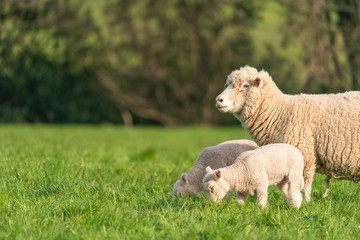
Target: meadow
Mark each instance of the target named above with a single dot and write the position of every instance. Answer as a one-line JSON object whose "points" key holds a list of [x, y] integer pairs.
{"points": [[107, 182]]}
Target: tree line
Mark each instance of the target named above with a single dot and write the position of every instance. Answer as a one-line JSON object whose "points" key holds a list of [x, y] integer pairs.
{"points": [[164, 62]]}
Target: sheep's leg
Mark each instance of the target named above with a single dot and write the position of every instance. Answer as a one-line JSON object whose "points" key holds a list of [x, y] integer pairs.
{"points": [[240, 197], [228, 195], [284, 188], [308, 179], [262, 195], [294, 197], [327, 182]]}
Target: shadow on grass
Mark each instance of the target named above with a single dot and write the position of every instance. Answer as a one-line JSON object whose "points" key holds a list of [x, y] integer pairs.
{"points": [[144, 155]]}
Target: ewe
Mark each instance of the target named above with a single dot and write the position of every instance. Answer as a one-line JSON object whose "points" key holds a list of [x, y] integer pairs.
{"points": [[254, 171], [217, 156], [324, 127]]}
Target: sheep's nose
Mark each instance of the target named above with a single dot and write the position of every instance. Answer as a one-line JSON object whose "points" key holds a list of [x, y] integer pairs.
{"points": [[219, 100]]}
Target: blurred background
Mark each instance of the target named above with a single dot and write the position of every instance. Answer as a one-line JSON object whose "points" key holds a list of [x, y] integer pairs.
{"points": [[163, 62]]}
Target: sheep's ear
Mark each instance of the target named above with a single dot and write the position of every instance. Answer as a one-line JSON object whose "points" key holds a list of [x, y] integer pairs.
{"points": [[257, 81], [218, 174], [208, 169], [183, 178]]}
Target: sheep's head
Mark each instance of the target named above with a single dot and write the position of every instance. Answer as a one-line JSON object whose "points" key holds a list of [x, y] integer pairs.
{"points": [[239, 85], [182, 187], [214, 185]]}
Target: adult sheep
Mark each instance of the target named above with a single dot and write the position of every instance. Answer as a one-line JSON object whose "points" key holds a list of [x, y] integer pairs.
{"points": [[324, 127]]}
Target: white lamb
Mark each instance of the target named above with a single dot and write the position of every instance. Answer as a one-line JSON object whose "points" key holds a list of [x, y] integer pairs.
{"points": [[254, 171], [324, 127], [217, 156]]}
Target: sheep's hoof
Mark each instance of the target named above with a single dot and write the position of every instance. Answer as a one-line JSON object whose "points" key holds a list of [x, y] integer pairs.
{"points": [[325, 193], [307, 198], [263, 206]]}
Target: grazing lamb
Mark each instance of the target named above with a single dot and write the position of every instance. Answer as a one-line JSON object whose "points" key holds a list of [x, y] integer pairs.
{"points": [[254, 171], [217, 156], [324, 127]]}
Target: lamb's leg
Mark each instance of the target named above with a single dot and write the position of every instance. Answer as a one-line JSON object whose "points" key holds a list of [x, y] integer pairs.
{"points": [[294, 197], [327, 182], [240, 197], [309, 173], [262, 195], [284, 188]]}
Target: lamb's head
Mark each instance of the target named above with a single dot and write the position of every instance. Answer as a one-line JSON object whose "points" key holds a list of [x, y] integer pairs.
{"points": [[182, 187], [214, 184], [240, 85]]}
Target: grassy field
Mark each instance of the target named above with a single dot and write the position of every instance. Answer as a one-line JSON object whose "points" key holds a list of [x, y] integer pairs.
{"points": [[84, 182]]}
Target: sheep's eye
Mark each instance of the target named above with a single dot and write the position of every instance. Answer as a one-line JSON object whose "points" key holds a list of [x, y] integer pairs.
{"points": [[212, 189], [246, 85]]}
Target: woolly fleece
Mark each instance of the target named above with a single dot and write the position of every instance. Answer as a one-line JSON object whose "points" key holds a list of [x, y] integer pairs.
{"points": [[324, 127], [254, 171]]}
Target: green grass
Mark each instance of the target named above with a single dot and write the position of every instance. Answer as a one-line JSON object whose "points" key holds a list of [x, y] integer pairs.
{"points": [[84, 182]]}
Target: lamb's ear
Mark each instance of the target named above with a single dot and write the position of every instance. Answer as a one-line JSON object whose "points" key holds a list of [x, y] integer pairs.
{"points": [[218, 174], [257, 82], [183, 178], [208, 169]]}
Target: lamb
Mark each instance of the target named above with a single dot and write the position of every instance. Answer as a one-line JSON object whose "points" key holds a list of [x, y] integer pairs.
{"points": [[254, 171], [217, 156], [324, 127]]}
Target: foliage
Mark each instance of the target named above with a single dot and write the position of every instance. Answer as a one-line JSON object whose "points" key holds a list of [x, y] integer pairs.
{"points": [[148, 57], [163, 61], [39, 81], [113, 183], [329, 32]]}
